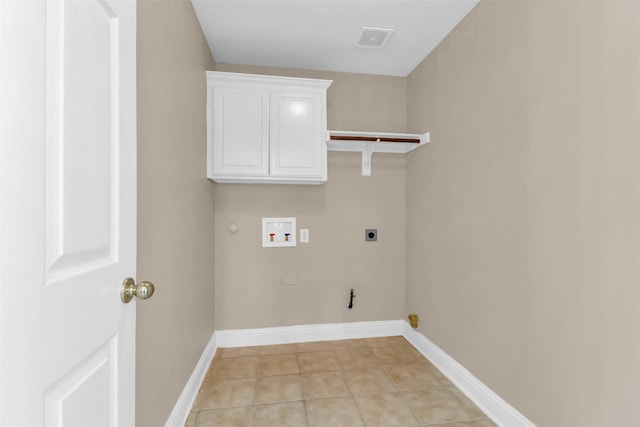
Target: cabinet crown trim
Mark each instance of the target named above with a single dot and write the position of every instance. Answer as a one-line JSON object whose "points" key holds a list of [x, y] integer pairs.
{"points": [[289, 82]]}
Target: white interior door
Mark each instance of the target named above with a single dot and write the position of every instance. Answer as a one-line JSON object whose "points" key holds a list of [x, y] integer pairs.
{"points": [[67, 212]]}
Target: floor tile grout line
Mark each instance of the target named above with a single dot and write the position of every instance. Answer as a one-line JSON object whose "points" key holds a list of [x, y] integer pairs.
{"points": [[364, 422]]}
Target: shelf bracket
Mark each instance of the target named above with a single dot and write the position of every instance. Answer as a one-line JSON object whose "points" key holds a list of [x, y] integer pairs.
{"points": [[368, 143], [367, 153]]}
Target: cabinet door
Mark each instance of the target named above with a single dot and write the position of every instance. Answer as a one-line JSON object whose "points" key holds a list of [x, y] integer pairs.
{"points": [[240, 132], [298, 122]]}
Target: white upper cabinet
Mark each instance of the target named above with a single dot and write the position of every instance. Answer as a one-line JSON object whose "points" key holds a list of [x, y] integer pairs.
{"points": [[265, 129]]}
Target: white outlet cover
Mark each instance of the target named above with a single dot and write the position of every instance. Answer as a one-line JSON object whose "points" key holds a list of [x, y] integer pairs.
{"points": [[304, 235]]}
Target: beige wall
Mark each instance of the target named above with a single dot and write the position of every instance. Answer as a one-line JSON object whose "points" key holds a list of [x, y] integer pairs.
{"points": [[175, 205], [250, 289], [523, 245]]}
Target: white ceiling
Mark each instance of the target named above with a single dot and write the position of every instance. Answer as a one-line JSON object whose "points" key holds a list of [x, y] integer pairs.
{"points": [[323, 34]]}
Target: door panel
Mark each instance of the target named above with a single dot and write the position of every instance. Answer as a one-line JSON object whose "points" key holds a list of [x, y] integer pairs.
{"points": [[66, 402], [82, 136]]}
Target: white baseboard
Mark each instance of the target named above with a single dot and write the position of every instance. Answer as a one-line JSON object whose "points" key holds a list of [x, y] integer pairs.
{"points": [[180, 413], [308, 333], [489, 402]]}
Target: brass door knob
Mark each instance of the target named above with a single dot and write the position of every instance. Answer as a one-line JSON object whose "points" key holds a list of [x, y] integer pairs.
{"points": [[129, 289]]}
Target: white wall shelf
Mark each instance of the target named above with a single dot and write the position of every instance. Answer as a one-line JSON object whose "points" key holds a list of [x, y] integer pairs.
{"points": [[374, 142]]}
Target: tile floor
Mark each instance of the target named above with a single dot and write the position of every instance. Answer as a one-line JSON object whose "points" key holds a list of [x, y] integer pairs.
{"points": [[365, 382]]}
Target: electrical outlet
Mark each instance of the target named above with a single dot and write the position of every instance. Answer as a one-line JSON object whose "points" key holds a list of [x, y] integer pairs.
{"points": [[304, 235], [371, 235]]}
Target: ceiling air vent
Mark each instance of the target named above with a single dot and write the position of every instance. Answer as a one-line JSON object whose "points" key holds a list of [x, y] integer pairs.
{"points": [[373, 37]]}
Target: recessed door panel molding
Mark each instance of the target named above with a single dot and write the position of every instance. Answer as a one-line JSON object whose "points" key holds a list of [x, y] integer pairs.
{"points": [[82, 136], [66, 402]]}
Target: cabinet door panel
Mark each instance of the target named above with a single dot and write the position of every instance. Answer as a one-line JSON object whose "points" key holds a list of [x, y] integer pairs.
{"points": [[242, 130], [297, 135]]}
